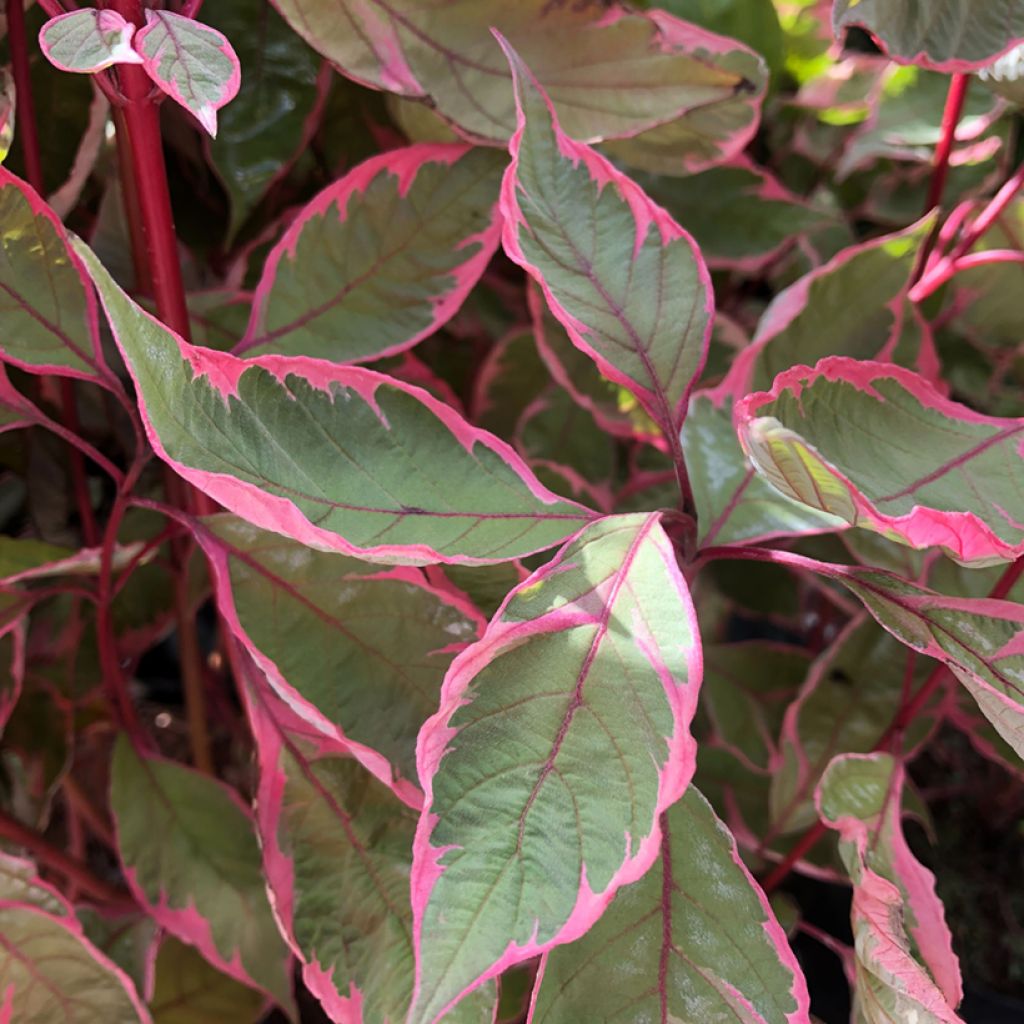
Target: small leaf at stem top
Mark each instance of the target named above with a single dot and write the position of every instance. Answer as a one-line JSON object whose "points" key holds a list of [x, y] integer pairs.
{"points": [[88, 41]]}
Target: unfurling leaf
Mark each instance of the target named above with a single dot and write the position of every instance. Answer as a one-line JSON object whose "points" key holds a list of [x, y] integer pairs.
{"points": [[623, 278], [88, 41], [194, 64], [879, 447], [381, 258], [694, 940], [592, 661], [336, 457], [905, 966]]}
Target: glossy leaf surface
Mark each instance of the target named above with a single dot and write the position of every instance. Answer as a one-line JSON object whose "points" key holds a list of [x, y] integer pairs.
{"points": [[694, 940], [191, 858], [335, 457], [194, 64], [521, 845], [381, 258], [622, 277], [881, 448]]}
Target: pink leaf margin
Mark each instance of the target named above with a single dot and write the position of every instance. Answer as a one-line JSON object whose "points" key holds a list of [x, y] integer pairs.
{"points": [[963, 533], [187, 923], [792, 301], [954, 66], [330, 735], [436, 735], [206, 114], [74, 928], [930, 931], [223, 371], [101, 375], [269, 727], [669, 416], [106, 21], [403, 164]]}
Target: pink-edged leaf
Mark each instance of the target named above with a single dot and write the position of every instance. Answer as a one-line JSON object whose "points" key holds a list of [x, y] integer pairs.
{"points": [[190, 857], [381, 258], [814, 317], [48, 315], [194, 64], [22, 558], [623, 278], [845, 706], [694, 940], [338, 458], [879, 447], [592, 661], [713, 133], [49, 971], [88, 41], [631, 70], [905, 966], [978, 639], [337, 850], [734, 503], [946, 35], [324, 630], [20, 883]]}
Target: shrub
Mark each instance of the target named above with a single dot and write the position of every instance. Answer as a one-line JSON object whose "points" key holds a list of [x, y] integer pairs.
{"points": [[502, 490]]}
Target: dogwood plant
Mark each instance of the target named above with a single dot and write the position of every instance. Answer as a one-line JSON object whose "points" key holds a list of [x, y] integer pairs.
{"points": [[496, 493]]}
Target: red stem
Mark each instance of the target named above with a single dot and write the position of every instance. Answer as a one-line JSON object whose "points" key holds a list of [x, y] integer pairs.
{"points": [[950, 119], [57, 860], [945, 268], [23, 85]]}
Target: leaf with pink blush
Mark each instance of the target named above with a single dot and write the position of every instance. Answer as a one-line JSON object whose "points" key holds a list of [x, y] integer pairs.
{"points": [[88, 41], [381, 258], [325, 629], [625, 281], [192, 63], [593, 660], [814, 317], [336, 849], [694, 940], [48, 316], [630, 70], [12, 659], [905, 965], [48, 969], [190, 856], [339, 458], [881, 448]]}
